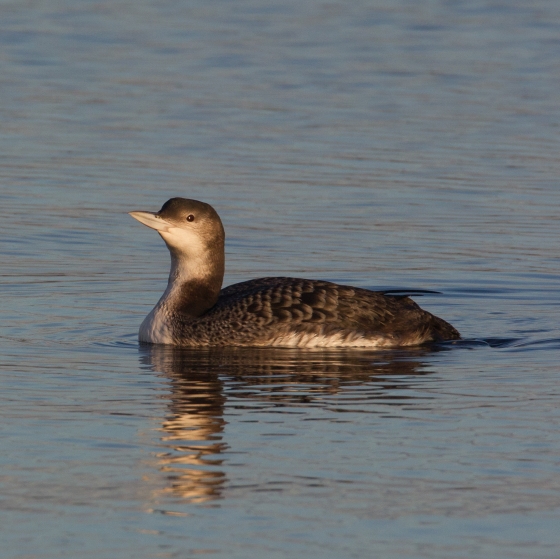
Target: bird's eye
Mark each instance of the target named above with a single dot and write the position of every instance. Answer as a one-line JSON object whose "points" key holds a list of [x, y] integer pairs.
{"points": [[190, 217]]}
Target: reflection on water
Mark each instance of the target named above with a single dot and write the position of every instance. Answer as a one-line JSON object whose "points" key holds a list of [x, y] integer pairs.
{"points": [[202, 381], [193, 430]]}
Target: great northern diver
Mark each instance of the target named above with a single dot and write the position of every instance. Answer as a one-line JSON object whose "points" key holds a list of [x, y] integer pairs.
{"points": [[278, 311]]}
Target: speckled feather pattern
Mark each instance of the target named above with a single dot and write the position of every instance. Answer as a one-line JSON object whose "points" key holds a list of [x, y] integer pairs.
{"points": [[284, 312], [296, 312]]}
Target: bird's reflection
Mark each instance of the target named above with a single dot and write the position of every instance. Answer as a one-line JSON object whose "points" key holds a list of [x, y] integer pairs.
{"points": [[202, 380], [193, 429]]}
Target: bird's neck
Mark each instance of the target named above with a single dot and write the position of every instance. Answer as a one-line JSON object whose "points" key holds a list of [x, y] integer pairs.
{"points": [[194, 284]]}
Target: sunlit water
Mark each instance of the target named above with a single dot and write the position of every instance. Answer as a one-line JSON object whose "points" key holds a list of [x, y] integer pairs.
{"points": [[392, 145]]}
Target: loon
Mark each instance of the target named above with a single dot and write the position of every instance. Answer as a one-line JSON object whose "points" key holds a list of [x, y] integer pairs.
{"points": [[195, 311]]}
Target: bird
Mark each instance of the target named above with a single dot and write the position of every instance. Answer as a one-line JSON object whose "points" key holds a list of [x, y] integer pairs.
{"points": [[195, 311]]}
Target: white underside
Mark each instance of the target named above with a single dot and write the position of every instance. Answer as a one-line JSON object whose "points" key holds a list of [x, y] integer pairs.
{"points": [[305, 340], [155, 328]]}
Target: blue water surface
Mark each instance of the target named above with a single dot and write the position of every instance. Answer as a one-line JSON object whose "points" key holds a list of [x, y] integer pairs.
{"points": [[392, 145]]}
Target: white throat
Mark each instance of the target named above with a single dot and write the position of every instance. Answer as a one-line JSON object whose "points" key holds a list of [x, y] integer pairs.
{"points": [[194, 277]]}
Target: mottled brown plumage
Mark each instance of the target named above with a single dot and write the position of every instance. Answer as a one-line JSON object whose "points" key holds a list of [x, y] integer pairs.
{"points": [[300, 312], [280, 311]]}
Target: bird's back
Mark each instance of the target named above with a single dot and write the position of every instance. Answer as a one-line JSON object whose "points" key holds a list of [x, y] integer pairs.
{"points": [[295, 312]]}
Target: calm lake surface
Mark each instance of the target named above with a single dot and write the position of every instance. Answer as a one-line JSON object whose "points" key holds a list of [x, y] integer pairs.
{"points": [[385, 144]]}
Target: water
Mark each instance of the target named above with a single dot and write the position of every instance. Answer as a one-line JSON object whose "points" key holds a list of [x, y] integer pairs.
{"points": [[391, 145]]}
